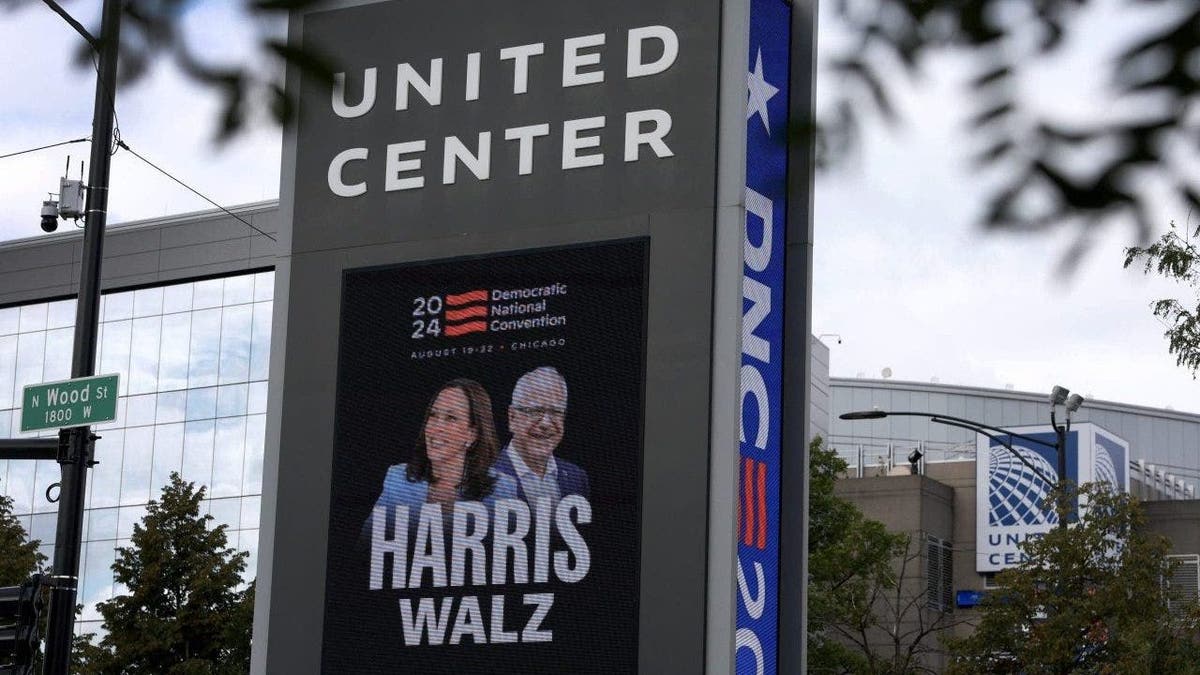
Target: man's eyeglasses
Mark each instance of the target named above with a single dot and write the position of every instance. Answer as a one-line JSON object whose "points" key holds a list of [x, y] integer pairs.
{"points": [[555, 414]]}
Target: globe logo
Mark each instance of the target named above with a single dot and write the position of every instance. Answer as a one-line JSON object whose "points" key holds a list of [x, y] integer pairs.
{"points": [[1016, 494], [1106, 469]]}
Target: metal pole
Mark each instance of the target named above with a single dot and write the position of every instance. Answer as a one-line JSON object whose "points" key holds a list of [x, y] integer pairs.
{"points": [[74, 466], [1060, 435]]}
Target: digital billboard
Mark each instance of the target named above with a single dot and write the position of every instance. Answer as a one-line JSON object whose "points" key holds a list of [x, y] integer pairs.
{"points": [[485, 501]]}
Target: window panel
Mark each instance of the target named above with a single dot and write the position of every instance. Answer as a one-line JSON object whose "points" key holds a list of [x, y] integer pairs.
{"points": [[143, 361], [201, 403], [140, 410], [168, 456], [264, 286], [170, 407], [106, 476], [251, 507], [127, 517], [31, 355], [205, 343], [173, 356], [8, 371], [33, 317], [97, 581], [257, 399], [60, 343], [238, 290], [118, 306], [21, 486], [248, 542], [198, 452], [229, 453], [208, 293], [226, 512], [148, 302], [46, 473], [235, 344], [118, 421], [44, 527], [177, 298], [10, 320], [231, 400], [104, 524], [139, 460], [256, 431], [61, 314], [260, 346], [114, 351]]}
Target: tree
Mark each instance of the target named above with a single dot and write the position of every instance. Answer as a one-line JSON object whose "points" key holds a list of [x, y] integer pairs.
{"points": [[181, 613], [1174, 257], [19, 557], [1088, 599], [867, 613]]}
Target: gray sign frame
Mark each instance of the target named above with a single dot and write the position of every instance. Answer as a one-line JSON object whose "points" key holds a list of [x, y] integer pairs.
{"points": [[688, 578]]}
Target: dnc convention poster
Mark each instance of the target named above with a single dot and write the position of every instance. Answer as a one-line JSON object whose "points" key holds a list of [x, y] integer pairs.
{"points": [[485, 504]]}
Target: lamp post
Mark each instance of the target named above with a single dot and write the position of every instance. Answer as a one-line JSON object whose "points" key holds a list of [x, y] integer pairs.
{"points": [[1060, 396]]}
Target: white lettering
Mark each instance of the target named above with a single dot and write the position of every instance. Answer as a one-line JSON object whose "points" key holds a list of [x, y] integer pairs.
{"points": [[759, 295], [520, 58], [573, 143], [396, 166], [472, 76], [504, 539], [757, 257], [635, 137], [579, 549], [573, 60], [524, 136], [634, 66], [334, 176], [339, 95], [427, 619], [470, 527], [753, 384], [479, 163], [430, 90], [533, 632]]}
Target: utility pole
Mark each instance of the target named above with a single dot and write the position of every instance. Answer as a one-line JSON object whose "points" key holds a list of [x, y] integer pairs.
{"points": [[78, 441]]}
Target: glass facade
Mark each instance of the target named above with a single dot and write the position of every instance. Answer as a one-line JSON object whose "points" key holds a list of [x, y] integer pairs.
{"points": [[193, 396]]}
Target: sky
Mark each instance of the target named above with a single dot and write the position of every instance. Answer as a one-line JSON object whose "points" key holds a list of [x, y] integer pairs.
{"points": [[902, 276]]}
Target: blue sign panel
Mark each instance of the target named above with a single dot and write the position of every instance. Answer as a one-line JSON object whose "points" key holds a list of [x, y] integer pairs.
{"points": [[762, 337]]}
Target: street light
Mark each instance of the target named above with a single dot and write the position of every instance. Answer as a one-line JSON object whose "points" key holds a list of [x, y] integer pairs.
{"points": [[1003, 437]]}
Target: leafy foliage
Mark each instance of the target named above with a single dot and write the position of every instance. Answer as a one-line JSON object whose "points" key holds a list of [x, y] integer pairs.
{"points": [[1089, 599], [19, 557], [181, 613], [862, 590], [1034, 149], [1176, 258]]}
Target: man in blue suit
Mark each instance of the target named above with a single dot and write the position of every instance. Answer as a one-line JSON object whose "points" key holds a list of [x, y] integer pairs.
{"points": [[536, 418]]}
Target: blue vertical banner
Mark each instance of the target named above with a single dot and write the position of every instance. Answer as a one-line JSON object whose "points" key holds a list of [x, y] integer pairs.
{"points": [[761, 379]]}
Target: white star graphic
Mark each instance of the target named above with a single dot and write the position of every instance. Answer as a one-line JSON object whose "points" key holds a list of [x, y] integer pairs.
{"points": [[761, 91]]}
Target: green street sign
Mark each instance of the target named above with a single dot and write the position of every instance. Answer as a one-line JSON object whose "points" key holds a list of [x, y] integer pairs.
{"points": [[70, 403]]}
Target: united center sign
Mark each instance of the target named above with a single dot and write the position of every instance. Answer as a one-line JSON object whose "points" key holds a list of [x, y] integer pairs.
{"points": [[534, 344]]}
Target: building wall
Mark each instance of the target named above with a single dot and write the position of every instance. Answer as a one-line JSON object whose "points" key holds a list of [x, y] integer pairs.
{"points": [[1166, 439], [186, 322]]}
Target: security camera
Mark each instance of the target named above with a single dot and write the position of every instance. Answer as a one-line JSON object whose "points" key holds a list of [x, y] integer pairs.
{"points": [[49, 215]]}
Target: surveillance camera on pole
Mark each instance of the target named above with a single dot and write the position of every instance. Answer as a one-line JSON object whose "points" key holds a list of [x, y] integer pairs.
{"points": [[70, 203]]}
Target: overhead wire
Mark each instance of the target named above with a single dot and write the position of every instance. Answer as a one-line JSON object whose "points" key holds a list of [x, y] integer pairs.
{"points": [[44, 147], [194, 191]]}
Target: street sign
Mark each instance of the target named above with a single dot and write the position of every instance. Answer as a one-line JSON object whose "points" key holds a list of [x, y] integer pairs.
{"points": [[70, 403]]}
